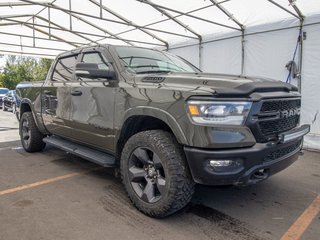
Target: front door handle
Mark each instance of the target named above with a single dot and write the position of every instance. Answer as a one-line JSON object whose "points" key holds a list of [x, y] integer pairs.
{"points": [[76, 93]]}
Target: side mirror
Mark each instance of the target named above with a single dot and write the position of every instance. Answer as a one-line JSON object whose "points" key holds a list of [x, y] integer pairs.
{"points": [[91, 70]]}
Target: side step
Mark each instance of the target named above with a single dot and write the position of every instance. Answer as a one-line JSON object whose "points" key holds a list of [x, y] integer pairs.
{"points": [[101, 158]]}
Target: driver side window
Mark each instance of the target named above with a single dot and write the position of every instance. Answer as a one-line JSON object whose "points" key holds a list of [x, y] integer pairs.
{"points": [[97, 58]]}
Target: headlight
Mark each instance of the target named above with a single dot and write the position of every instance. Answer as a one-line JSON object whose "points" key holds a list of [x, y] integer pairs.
{"points": [[227, 113]]}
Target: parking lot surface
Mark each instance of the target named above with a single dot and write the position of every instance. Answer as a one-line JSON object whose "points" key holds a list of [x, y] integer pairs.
{"points": [[54, 195]]}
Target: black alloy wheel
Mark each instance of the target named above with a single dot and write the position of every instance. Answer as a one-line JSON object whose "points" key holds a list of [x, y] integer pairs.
{"points": [[146, 174], [155, 173], [31, 137], [25, 133]]}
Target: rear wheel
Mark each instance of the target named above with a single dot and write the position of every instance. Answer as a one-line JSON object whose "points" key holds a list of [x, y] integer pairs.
{"points": [[31, 137], [155, 173]]}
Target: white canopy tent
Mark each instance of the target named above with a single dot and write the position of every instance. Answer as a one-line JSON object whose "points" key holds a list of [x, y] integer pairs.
{"points": [[249, 37]]}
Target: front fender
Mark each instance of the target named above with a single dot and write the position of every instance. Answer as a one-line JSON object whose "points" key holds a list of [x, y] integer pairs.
{"points": [[161, 115]]}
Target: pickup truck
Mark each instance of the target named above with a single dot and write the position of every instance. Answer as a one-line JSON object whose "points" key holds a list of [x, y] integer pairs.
{"points": [[162, 122]]}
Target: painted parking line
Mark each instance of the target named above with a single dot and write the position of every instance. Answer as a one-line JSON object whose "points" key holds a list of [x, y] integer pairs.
{"points": [[301, 224], [46, 181]]}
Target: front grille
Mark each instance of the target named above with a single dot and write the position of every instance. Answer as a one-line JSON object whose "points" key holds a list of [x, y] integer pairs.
{"points": [[268, 122], [282, 152], [278, 126], [277, 105]]}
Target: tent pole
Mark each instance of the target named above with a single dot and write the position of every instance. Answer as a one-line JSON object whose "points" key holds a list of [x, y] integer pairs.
{"points": [[27, 53], [29, 46], [301, 18], [70, 17], [300, 55], [101, 14], [200, 54], [39, 38], [283, 8], [242, 52], [49, 22], [33, 33]]}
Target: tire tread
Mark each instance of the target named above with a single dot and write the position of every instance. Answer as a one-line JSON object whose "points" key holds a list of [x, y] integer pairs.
{"points": [[36, 144], [181, 184]]}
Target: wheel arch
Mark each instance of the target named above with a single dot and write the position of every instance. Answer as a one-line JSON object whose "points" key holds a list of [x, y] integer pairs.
{"points": [[147, 118]]}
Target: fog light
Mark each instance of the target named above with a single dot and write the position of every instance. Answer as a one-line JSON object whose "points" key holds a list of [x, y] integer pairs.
{"points": [[220, 163], [226, 165]]}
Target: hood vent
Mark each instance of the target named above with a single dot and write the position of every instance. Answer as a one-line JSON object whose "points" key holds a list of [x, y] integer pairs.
{"points": [[153, 79]]}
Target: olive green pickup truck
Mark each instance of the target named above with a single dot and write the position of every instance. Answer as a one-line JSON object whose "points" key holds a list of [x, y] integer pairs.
{"points": [[165, 124]]}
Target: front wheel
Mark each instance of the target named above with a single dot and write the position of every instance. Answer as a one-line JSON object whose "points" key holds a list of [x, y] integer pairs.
{"points": [[155, 173], [14, 108], [4, 108], [31, 137]]}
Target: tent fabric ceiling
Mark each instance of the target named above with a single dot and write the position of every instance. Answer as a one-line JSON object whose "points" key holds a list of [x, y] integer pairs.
{"points": [[47, 28]]}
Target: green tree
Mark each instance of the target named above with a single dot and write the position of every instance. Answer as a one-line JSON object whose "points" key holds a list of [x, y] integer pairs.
{"points": [[23, 69], [42, 69]]}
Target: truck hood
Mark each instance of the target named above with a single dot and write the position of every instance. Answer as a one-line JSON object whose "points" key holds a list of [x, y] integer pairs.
{"points": [[217, 84]]}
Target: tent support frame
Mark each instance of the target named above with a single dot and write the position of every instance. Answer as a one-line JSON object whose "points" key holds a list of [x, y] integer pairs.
{"points": [[78, 14], [187, 14], [103, 7], [78, 33], [284, 9], [166, 11]]}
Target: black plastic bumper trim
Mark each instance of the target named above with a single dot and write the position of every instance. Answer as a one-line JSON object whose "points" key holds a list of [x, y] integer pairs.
{"points": [[252, 158]]}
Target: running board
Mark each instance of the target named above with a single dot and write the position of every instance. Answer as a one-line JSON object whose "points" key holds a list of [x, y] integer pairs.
{"points": [[101, 158]]}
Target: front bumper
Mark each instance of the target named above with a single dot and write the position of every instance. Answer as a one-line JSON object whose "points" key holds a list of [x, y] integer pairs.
{"points": [[257, 162]]}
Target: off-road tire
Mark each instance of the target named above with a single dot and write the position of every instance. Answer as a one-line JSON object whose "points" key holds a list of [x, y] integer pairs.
{"points": [[179, 183], [34, 143]]}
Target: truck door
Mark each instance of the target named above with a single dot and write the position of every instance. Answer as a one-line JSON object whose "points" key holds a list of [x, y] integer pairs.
{"points": [[92, 104], [56, 99]]}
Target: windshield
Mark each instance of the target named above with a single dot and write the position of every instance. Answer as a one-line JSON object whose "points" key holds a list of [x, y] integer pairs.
{"points": [[142, 60], [4, 91]]}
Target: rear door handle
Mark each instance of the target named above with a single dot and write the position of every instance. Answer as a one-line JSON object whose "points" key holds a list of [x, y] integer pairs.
{"points": [[76, 93]]}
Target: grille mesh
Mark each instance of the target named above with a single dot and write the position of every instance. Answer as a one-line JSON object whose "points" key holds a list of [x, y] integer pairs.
{"points": [[278, 126], [266, 129], [280, 105], [282, 152]]}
